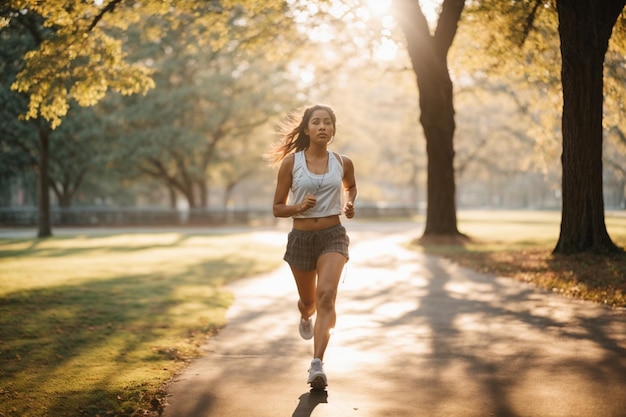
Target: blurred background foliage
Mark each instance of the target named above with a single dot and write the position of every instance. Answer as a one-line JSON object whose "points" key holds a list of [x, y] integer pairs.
{"points": [[215, 77]]}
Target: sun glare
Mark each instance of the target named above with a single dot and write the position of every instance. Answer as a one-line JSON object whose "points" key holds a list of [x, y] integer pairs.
{"points": [[377, 13], [430, 8], [386, 50], [379, 7]]}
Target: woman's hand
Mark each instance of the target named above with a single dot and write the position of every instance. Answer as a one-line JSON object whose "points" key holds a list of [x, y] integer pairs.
{"points": [[308, 202], [348, 209]]}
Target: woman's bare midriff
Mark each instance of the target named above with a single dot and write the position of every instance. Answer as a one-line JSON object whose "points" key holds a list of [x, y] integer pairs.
{"points": [[317, 223]]}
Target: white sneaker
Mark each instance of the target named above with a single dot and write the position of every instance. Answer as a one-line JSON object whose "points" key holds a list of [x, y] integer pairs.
{"points": [[317, 377], [306, 328]]}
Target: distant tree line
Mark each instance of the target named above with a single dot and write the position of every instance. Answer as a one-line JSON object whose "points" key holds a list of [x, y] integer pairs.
{"points": [[212, 73]]}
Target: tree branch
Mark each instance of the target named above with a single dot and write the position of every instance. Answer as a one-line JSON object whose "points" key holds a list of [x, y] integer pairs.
{"points": [[448, 24], [32, 26], [619, 133], [106, 9], [530, 22]]}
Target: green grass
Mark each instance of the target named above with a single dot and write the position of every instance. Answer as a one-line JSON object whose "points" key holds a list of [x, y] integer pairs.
{"points": [[96, 325], [519, 244]]}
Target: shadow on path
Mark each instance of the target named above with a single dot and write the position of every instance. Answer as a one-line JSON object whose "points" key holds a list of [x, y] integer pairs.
{"points": [[415, 336], [309, 401]]}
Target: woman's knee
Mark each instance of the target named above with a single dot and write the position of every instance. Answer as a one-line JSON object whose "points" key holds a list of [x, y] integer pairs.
{"points": [[306, 305], [325, 299]]}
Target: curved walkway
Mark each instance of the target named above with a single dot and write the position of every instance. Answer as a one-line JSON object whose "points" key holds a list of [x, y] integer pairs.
{"points": [[416, 336]]}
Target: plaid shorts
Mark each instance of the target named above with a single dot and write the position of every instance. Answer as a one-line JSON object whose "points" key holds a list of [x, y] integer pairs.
{"points": [[304, 247]]}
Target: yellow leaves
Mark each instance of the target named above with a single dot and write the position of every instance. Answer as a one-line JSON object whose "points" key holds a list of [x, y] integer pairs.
{"points": [[153, 33], [40, 79], [59, 14], [81, 63], [76, 67], [89, 91], [56, 107], [129, 79]]}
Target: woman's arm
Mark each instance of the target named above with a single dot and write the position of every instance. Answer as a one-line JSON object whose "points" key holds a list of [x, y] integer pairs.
{"points": [[349, 187], [283, 184]]}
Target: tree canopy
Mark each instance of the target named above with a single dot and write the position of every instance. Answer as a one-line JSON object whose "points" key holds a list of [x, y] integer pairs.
{"points": [[78, 52]]}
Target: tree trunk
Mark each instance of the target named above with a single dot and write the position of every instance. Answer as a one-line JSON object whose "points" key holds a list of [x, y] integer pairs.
{"points": [[62, 191], [171, 191], [428, 55], [584, 28], [65, 200], [204, 193], [44, 223], [228, 193], [437, 119]]}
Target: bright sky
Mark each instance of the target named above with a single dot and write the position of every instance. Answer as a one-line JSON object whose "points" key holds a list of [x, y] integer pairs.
{"points": [[380, 9]]}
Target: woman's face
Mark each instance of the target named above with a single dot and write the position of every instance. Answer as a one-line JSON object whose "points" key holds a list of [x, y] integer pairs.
{"points": [[320, 127]]}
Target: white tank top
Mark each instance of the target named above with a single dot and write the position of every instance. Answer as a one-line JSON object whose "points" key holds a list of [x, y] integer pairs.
{"points": [[326, 187]]}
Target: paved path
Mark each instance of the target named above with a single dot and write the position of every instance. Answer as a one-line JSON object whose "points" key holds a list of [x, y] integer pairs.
{"points": [[416, 336]]}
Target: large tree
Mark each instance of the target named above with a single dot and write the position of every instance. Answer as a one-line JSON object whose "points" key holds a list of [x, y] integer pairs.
{"points": [[534, 32], [207, 101], [585, 27], [428, 53], [566, 45], [29, 138]]}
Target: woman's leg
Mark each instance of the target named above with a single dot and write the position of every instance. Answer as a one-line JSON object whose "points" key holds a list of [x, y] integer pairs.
{"points": [[305, 281], [329, 267]]}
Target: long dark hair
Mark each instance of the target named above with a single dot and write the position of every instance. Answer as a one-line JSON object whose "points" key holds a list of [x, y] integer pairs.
{"points": [[292, 136]]}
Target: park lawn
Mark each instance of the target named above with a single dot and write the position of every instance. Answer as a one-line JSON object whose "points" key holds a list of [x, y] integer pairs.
{"points": [[519, 244], [96, 325]]}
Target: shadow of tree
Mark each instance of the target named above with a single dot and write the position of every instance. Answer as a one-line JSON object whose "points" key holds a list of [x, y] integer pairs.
{"points": [[426, 338], [497, 331], [89, 336], [63, 246]]}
